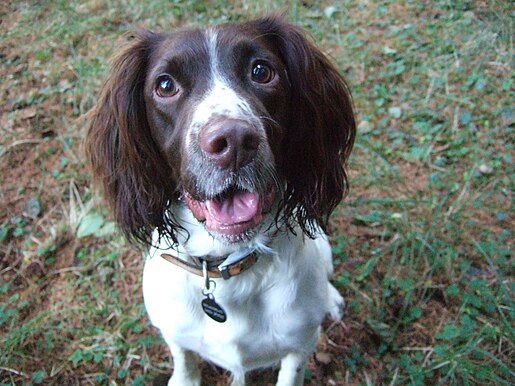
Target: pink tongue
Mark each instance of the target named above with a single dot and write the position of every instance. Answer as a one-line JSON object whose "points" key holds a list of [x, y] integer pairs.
{"points": [[239, 208]]}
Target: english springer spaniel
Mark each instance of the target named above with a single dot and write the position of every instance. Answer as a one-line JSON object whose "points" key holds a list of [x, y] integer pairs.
{"points": [[224, 150]]}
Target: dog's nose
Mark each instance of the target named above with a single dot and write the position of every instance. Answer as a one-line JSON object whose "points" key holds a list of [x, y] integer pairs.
{"points": [[231, 144]]}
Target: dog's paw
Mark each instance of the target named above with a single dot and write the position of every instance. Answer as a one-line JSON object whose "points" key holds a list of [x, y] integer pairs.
{"points": [[178, 380], [183, 382], [336, 304]]}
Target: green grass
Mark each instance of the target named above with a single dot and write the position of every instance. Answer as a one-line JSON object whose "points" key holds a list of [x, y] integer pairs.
{"points": [[423, 244]]}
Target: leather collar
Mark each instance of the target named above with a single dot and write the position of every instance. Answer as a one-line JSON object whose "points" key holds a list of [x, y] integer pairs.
{"points": [[225, 270]]}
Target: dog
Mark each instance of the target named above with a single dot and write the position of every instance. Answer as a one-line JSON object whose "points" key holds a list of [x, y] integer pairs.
{"points": [[223, 150]]}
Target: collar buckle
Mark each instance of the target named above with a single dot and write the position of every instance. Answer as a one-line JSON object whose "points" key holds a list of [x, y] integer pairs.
{"points": [[233, 259], [234, 264], [225, 273]]}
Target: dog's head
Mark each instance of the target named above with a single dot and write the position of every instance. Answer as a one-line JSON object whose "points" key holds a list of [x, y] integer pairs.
{"points": [[238, 122]]}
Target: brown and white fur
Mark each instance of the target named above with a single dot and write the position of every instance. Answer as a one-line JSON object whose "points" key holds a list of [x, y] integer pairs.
{"points": [[209, 141]]}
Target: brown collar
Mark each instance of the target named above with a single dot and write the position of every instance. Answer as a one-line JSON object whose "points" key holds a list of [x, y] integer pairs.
{"points": [[225, 271]]}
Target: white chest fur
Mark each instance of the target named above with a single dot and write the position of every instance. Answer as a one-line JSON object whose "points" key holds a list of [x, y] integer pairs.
{"points": [[272, 309]]}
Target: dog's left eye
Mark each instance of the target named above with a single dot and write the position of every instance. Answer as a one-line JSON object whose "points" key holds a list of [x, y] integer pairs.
{"points": [[166, 86], [262, 73]]}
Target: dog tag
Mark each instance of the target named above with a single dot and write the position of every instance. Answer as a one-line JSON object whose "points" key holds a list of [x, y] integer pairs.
{"points": [[213, 309]]}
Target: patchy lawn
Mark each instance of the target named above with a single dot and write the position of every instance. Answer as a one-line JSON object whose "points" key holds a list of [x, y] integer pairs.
{"points": [[423, 244]]}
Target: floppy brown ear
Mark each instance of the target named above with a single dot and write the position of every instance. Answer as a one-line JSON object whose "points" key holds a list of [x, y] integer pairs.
{"points": [[121, 151], [321, 132]]}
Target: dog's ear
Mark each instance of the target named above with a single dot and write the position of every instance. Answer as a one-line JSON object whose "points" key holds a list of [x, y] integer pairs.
{"points": [[121, 151], [320, 134]]}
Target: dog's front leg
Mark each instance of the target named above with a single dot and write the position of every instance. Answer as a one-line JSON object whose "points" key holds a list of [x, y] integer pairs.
{"points": [[185, 368], [238, 380], [292, 370]]}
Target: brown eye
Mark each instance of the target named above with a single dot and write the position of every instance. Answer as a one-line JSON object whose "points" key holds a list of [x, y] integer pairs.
{"points": [[166, 87], [262, 73]]}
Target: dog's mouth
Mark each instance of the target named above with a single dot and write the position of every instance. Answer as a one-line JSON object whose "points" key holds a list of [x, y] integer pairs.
{"points": [[233, 212]]}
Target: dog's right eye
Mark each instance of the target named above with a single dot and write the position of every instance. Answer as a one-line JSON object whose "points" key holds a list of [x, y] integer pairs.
{"points": [[262, 73], [166, 86]]}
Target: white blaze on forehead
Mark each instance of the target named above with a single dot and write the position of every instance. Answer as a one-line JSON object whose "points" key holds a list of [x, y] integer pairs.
{"points": [[220, 99], [212, 37]]}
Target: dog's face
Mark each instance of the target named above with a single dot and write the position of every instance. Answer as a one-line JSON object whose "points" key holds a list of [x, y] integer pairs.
{"points": [[215, 103], [230, 121]]}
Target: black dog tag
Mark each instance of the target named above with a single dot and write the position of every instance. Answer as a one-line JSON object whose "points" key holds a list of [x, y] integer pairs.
{"points": [[213, 309]]}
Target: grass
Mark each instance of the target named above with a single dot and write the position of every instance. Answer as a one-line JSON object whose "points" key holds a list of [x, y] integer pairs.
{"points": [[423, 244]]}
